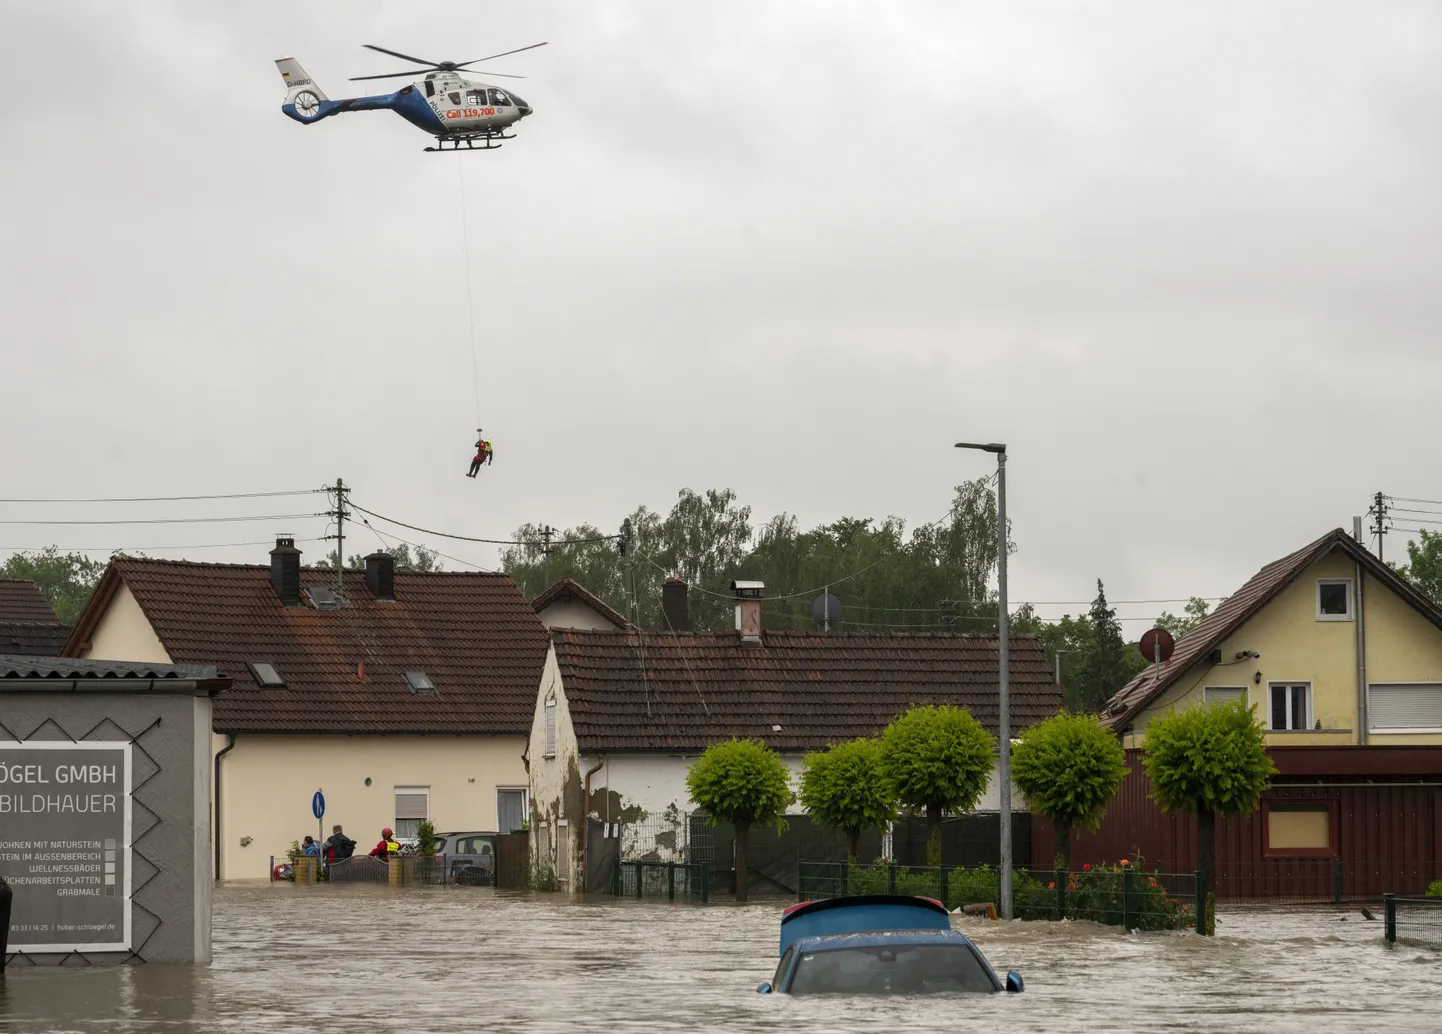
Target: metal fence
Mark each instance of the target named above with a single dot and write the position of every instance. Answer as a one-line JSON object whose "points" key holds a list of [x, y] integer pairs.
{"points": [[1117, 895], [413, 871], [1413, 920], [669, 880]]}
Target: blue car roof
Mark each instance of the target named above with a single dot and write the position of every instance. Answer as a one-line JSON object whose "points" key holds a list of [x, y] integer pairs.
{"points": [[870, 913], [840, 941]]}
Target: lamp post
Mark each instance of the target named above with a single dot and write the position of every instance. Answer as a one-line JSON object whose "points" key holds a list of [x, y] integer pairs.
{"points": [[1003, 717]]}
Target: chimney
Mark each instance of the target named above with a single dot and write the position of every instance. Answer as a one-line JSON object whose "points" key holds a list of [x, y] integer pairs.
{"points": [[748, 609], [673, 605], [285, 570], [381, 576]]}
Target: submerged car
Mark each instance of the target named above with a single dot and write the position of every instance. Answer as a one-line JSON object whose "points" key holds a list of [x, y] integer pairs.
{"points": [[470, 857], [879, 944]]}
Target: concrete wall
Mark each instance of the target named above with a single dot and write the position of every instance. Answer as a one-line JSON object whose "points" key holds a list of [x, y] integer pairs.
{"points": [[1402, 646], [267, 783], [124, 633], [170, 827]]}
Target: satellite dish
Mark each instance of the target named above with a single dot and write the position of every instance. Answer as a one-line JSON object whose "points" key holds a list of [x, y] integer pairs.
{"points": [[826, 610], [1157, 644]]}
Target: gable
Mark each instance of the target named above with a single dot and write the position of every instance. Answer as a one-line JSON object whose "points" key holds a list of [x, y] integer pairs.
{"points": [[122, 632]]}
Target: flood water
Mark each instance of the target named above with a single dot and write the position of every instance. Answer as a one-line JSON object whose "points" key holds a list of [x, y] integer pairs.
{"points": [[376, 960]]}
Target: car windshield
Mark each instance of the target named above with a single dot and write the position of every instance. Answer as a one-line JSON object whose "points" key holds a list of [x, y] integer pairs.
{"points": [[891, 969]]}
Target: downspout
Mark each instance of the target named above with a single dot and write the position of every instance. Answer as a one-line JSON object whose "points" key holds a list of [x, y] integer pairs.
{"points": [[586, 818], [229, 746], [1362, 719]]}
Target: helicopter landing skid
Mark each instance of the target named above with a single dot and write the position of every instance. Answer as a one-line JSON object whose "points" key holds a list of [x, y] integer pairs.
{"points": [[486, 142]]}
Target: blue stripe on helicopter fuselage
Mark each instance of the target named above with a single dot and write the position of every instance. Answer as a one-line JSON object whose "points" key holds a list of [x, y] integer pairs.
{"points": [[408, 104]]}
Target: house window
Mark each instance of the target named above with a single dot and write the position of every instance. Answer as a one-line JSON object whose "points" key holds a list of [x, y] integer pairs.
{"points": [[550, 728], [1290, 706], [413, 806], [510, 810], [1405, 707], [265, 675], [419, 682], [1224, 694], [1301, 830], [563, 850], [1334, 599]]}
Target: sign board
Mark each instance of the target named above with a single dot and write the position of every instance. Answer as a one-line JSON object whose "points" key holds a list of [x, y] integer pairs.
{"points": [[317, 805], [65, 844]]}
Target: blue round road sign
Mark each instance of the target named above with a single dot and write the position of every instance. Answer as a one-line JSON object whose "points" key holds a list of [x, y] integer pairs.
{"points": [[317, 805]]}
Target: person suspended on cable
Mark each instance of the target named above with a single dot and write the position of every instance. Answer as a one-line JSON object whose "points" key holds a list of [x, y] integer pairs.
{"points": [[485, 455]]}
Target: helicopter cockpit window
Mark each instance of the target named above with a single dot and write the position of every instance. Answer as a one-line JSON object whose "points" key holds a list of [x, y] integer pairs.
{"points": [[475, 97], [499, 97], [455, 97], [430, 88]]}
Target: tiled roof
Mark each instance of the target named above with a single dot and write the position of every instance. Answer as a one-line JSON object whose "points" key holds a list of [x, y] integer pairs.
{"points": [[1238, 608], [569, 589], [474, 634], [22, 667], [27, 624], [663, 691], [22, 601]]}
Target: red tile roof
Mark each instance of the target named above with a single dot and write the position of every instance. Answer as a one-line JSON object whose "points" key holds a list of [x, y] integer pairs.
{"points": [[22, 601], [698, 688], [569, 589], [475, 635], [1192, 649]]}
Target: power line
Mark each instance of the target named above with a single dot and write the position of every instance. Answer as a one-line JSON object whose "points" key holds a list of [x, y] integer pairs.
{"points": [[142, 547], [1407, 499], [170, 498], [187, 520], [428, 549], [469, 538]]}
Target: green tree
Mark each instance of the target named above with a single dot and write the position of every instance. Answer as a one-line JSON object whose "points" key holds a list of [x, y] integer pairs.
{"points": [[1191, 616], [426, 838], [1068, 768], [421, 560], [65, 579], [937, 759], [1209, 760], [842, 787], [1104, 666], [1424, 564], [741, 782]]}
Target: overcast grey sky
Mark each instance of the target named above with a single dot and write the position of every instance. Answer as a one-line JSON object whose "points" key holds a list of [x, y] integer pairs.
{"points": [[1183, 258]]}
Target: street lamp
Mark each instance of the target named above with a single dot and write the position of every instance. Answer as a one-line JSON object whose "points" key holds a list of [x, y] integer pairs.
{"points": [[1003, 719]]}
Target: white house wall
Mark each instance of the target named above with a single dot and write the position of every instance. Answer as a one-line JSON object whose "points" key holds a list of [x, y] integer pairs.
{"points": [[555, 781], [267, 783], [574, 614]]}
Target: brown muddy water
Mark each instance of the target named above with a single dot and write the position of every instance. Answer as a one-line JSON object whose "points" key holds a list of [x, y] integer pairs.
{"points": [[453, 959]]}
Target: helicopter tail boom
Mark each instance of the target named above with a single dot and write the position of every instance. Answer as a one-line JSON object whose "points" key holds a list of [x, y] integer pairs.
{"points": [[297, 81]]}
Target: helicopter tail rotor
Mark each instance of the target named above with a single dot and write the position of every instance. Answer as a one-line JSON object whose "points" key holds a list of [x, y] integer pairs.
{"points": [[300, 89]]}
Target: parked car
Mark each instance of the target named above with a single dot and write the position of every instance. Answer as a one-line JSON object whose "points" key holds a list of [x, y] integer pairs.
{"points": [[879, 944], [470, 857]]}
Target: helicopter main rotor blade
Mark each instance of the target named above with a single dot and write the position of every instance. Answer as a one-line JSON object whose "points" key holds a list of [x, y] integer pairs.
{"points": [[475, 60], [403, 57], [390, 75], [504, 75]]}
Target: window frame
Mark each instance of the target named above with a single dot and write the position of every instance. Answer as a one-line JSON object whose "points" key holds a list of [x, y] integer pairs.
{"points": [[525, 792], [1395, 730], [548, 747], [413, 684], [396, 820], [1243, 689], [563, 849], [1311, 718], [262, 683], [1331, 805], [1351, 597]]}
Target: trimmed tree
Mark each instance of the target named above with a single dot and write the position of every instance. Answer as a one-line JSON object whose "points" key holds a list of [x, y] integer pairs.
{"points": [[937, 759], [1068, 768], [740, 782], [843, 788], [1208, 760]]}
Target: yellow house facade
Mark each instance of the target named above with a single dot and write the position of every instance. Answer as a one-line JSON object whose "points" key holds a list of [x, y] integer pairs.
{"points": [[402, 696], [1329, 645]]}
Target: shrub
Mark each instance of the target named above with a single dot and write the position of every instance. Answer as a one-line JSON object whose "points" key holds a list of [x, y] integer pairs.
{"points": [[740, 782], [843, 788], [1068, 768], [1434, 889], [426, 839], [938, 759]]}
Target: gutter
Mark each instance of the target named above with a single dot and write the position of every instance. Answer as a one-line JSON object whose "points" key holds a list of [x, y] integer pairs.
{"points": [[586, 818], [229, 746], [1362, 720]]}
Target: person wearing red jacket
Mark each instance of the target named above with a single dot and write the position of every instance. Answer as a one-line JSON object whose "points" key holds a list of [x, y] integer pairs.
{"points": [[387, 845]]}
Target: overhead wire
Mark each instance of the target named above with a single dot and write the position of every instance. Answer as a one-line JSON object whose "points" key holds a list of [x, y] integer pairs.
{"points": [[468, 538], [184, 520], [169, 498], [142, 547], [428, 549]]}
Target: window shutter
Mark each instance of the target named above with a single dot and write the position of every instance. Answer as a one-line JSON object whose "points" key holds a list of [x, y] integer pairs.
{"points": [[550, 728], [1223, 694], [1405, 707], [543, 847], [563, 851], [412, 804]]}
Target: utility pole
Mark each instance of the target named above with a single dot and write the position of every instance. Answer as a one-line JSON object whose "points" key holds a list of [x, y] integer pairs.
{"points": [[546, 532], [1003, 710], [627, 547], [1057, 658], [1378, 510], [339, 513]]}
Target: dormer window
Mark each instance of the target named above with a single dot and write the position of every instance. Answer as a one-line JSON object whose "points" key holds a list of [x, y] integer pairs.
{"points": [[265, 675], [419, 682]]}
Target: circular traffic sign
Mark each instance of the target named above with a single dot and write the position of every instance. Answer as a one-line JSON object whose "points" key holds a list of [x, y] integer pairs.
{"points": [[317, 805]]}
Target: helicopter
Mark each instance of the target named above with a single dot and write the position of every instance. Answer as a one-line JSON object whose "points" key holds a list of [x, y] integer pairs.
{"points": [[457, 111]]}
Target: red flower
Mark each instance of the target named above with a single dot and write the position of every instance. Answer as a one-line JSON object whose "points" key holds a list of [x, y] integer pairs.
{"points": [[1051, 885], [1087, 867], [1124, 862], [1071, 886]]}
